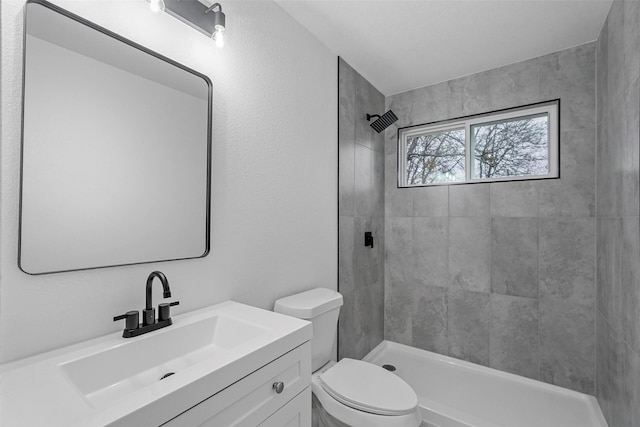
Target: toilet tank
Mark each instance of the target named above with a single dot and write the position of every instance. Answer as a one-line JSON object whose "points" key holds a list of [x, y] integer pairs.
{"points": [[321, 307]]}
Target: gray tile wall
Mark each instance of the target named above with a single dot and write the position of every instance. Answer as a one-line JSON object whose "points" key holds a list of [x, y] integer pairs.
{"points": [[361, 208], [618, 231], [500, 274]]}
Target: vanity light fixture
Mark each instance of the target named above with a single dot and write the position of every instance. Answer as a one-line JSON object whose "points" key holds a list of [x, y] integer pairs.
{"points": [[219, 20], [208, 20]]}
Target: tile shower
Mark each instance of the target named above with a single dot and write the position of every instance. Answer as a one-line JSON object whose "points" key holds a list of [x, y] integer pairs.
{"points": [[500, 274], [361, 208], [618, 234], [518, 275]]}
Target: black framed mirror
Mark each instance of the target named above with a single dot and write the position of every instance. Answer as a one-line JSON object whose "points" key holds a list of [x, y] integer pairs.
{"points": [[116, 149]]}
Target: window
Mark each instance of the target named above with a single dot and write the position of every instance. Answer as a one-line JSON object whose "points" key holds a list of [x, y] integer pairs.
{"points": [[514, 144]]}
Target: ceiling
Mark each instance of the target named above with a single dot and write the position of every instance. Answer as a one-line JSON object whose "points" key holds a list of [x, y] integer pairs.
{"points": [[400, 45]]}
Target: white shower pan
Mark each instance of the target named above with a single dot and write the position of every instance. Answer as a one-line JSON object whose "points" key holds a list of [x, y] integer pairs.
{"points": [[455, 393]]}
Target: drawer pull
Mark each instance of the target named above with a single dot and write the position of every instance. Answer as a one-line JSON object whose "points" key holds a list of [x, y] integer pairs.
{"points": [[278, 386]]}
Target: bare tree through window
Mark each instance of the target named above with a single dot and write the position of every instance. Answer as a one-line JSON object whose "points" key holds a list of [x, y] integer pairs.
{"points": [[436, 157], [516, 147], [506, 148]]}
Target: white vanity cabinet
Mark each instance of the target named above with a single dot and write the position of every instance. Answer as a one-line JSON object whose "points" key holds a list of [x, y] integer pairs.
{"points": [[297, 413], [224, 360], [254, 401]]}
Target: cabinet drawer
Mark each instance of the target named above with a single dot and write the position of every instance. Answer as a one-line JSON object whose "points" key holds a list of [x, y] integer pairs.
{"points": [[252, 399], [296, 413]]}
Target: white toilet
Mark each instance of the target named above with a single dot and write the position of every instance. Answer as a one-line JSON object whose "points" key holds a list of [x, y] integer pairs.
{"points": [[356, 393]]}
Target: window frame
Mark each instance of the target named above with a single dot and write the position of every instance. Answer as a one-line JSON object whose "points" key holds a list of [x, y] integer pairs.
{"points": [[552, 108]]}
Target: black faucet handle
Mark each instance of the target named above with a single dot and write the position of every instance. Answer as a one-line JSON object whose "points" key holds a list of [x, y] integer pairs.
{"points": [[131, 321], [164, 312], [148, 316]]}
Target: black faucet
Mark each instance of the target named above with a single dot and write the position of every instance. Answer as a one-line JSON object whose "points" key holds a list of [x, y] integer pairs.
{"points": [[149, 313], [149, 323]]}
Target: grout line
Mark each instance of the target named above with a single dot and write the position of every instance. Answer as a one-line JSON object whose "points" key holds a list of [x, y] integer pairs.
{"points": [[338, 326], [490, 327], [538, 343], [490, 268], [595, 245], [539, 281]]}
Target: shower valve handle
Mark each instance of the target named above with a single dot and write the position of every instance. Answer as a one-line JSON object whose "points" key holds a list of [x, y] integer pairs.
{"points": [[368, 239]]}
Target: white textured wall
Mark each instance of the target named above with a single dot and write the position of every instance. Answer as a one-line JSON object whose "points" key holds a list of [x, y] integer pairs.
{"points": [[274, 182]]}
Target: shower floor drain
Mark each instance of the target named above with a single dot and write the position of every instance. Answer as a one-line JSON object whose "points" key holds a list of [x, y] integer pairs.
{"points": [[389, 367]]}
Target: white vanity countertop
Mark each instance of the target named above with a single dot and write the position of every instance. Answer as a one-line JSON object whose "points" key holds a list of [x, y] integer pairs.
{"points": [[55, 388]]}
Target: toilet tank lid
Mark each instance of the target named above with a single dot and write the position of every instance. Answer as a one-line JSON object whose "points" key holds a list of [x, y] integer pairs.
{"points": [[309, 304]]}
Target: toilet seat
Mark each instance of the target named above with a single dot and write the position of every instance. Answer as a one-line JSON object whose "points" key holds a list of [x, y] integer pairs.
{"points": [[369, 388]]}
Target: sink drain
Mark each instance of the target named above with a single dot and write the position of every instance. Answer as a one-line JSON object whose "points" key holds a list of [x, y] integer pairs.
{"points": [[389, 367], [168, 374]]}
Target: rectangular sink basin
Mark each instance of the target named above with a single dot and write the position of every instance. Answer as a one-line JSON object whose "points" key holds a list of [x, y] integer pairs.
{"points": [[115, 381], [107, 375]]}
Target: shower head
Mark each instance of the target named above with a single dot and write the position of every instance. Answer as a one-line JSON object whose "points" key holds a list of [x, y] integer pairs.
{"points": [[383, 122]]}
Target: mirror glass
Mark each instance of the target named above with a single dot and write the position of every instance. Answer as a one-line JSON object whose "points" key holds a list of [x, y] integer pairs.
{"points": [[116, 150]]}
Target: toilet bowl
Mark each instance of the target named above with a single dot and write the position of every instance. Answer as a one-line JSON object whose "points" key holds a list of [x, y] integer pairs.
{"points": [[361, 394], [354, 392]]}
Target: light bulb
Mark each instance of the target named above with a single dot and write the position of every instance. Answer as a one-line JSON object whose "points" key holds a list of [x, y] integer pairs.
{"points": [[219, 36], [156, 5]]}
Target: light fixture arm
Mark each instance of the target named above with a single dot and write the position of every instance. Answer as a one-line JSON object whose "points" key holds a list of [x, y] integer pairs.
{"points": [[213, 6]]}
